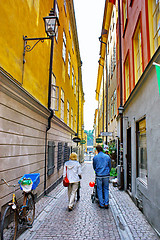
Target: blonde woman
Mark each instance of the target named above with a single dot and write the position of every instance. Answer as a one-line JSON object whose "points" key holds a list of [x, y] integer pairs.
{"points": [[74, 175]]}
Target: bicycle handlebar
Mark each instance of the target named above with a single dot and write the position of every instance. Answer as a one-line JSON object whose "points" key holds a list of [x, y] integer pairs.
{"points": [[9, 185]]}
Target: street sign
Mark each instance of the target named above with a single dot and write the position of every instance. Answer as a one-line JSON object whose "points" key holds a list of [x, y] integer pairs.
{"points": [[76, 139], [99, 140], [106, 134], [82, 141]]}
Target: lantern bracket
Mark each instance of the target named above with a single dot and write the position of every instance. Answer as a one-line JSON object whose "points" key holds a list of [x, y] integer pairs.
{"points": [[29, 48]]}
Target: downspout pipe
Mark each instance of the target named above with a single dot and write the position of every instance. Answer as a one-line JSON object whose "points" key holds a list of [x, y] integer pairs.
{"points": [[51, 112], [121, 99]]}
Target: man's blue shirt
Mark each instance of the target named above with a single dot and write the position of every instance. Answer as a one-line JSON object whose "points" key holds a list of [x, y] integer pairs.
{"points": [[102, 164]]}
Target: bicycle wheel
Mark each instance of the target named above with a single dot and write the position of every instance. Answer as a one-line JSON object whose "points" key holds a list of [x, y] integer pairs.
{"points": [[9, 224], [29, 210]]}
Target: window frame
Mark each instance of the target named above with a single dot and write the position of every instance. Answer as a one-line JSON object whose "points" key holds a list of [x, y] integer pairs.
{"points": [[144, 134], [51, 158], [64, 47], [62, 104]]}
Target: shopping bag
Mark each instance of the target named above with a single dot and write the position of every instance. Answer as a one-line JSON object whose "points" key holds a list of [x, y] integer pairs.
{"points": [[65, 180]]}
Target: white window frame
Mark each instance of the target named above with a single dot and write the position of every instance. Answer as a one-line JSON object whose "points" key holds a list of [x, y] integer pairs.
{"points": [[72, 76], [75, 86], [64, 47], [67, 112], [62, 104], [72, 118]]}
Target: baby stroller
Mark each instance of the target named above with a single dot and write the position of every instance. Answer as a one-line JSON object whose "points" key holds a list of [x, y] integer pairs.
{"points": [[94, 196]]}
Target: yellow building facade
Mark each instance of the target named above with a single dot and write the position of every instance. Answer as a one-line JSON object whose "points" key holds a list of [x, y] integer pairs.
{"points": [[38, 127]]}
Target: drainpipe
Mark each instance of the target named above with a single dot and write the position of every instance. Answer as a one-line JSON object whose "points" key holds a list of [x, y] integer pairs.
{"points": [[49, 106], [106, 96], [121, 97]]}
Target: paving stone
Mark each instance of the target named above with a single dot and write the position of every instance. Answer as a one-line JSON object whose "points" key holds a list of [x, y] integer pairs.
{"points": [[87, 220]]}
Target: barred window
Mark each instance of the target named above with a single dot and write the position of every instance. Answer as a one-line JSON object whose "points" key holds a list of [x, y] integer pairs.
{"points": [[51, 157], [59, 156], [65, 157]]}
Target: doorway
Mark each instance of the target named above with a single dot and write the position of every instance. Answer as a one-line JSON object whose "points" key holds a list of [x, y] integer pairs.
{"points": [[129, 162]]}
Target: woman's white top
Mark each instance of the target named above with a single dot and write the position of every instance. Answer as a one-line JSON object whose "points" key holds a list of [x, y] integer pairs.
{"points": [[73, 170]]}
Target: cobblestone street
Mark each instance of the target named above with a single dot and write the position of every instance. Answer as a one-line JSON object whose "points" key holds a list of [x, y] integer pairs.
{"points": [[122, 220]]}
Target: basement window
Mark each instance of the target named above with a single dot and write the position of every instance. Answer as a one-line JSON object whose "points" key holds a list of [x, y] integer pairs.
{"points": [[142, 150], [51, 157], [59, 156]]}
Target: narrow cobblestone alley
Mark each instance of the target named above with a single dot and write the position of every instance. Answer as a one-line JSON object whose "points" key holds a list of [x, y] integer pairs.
{"points": [[87, 221]]}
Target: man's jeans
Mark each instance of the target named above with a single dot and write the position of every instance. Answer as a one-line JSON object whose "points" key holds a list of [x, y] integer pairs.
{"points": [[103, 190]]}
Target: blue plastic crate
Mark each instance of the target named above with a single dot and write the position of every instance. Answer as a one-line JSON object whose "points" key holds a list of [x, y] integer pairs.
{"points": [[35, 177]]}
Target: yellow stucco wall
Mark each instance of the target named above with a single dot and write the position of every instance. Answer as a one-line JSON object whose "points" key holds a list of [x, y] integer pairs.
{"points": [[25, 18]]}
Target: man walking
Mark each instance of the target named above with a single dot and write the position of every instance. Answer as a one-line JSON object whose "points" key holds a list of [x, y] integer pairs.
{"points": [[102, 167]]}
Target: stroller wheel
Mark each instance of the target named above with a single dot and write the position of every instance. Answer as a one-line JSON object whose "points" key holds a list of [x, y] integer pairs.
{"points": [[93, 198]]}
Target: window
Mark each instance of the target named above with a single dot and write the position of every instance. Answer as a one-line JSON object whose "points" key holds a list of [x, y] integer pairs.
{"points": [[51, 157], [57, 13], [142, 150], [114, 56], [69, 64], [137, 53], [75, 86], [59, 156], [115, 100], [54, 94], [72, 77], [64, 47], [127, 78], [62, 104], [156, 23], [68, 113], [72, 46], [65, 7], [112, 107], [111, 66], [124, 14], [75, 118], [72, 118], [69, 29], [65, 157]]}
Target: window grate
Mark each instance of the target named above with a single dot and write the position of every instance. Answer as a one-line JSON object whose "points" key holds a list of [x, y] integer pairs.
{"points": [[59, 156], [65, 158], [51, 157]]}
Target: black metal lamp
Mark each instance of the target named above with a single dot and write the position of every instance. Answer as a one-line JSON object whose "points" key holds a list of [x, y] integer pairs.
{"points": [[51, 28], [120, 109], [51, 24]]}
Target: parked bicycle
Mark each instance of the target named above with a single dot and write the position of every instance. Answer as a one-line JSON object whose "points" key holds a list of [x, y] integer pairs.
{"points": [[16, 217]]}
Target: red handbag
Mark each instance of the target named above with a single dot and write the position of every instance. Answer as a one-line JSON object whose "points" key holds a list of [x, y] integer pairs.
{"points": [[65, 180]]}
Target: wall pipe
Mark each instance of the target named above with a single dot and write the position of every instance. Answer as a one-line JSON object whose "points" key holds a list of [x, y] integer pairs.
{"points": [[49, 105]]}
